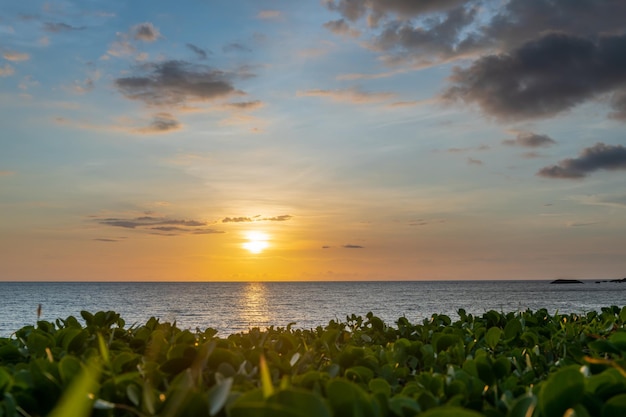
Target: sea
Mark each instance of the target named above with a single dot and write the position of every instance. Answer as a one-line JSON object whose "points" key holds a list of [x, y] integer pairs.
{"points": [[232, 307]]}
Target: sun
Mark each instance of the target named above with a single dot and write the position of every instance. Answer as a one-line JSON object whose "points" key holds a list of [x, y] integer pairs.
{"points": [[256, 242]]}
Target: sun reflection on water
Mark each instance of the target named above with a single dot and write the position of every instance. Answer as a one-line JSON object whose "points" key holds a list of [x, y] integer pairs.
{"points": [[255, 309]]}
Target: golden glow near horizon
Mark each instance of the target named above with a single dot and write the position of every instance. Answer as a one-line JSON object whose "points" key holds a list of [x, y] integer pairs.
{"points": [[256, 242]]}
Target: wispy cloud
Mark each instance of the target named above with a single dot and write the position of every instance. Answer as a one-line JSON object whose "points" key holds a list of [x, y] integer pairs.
{"points": [[257, 218], [6, 173], [200, 53], [60, 27], [594, 158], [15, 56], [340, 27], [161, 123], [236, 47], [269, 14], [6, 70], [351, 95], [349, 246]]}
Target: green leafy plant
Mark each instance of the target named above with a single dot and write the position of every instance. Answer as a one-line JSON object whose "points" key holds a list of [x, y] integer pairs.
{"points": [[529, 364]]}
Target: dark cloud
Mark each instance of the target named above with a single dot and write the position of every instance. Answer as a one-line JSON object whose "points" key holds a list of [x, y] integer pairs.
{"points": [[599, 156], [200, 53], [236, 47], [236, 219], [520, 20], [440, 36], [530, 140], [325, 247], [353, 246], [173, 230], [374, 10], [175, 83], [146, 32], [106, 240], [60, 27], [148, 221], [543, 77], [282, 218]]}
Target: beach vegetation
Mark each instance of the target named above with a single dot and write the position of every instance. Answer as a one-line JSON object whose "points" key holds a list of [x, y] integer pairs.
{"points": [[529, 363]]}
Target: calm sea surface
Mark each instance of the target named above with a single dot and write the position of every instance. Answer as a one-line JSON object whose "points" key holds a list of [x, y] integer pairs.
{"points": [[233, 307]]}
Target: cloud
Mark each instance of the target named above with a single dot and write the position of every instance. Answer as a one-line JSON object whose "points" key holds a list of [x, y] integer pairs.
{"points": [[439, 38], [170, 229], [472, 161], [353, 246], [519, 20], [200, 53], [6, 173], [15, 56], [236, 219], [282, 218], [162, 123], [530, 140], [105, 240], [175, 83], [351, 95], [340, 27], [243, 105], [599, 156], [60, 27], [269, 14], [236, 47], [149, 224], [618, 102], [374, 10], [145, 32], [543, 77], [6, 70]]}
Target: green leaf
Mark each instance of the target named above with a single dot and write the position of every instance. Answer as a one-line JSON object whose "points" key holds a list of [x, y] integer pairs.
{"points": [[512, 329], [523, 407], [562, 390], [380, 385], [134, 394], [75, 401], [348, 400], [492, 338], [69, 367], [218, 395], [6, 381], [266, 378], [616, 406], [307, 404], [450, 412]]}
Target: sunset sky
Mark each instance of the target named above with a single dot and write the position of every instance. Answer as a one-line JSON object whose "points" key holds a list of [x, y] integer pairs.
{"points": [[312, 140]]}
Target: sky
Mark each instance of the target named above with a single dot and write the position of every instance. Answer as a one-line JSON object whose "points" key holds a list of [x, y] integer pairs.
{"points": [[243, 140]]}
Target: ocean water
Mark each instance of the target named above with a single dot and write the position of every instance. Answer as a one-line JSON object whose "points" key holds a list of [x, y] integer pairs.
{"points": [[233, 307]]}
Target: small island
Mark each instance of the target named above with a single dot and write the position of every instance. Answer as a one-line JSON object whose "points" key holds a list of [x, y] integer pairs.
{"points": [[566, 281]]}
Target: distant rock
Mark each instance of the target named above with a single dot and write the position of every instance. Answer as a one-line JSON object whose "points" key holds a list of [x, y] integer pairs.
{"points": [[566, 281], [618, 280]]}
